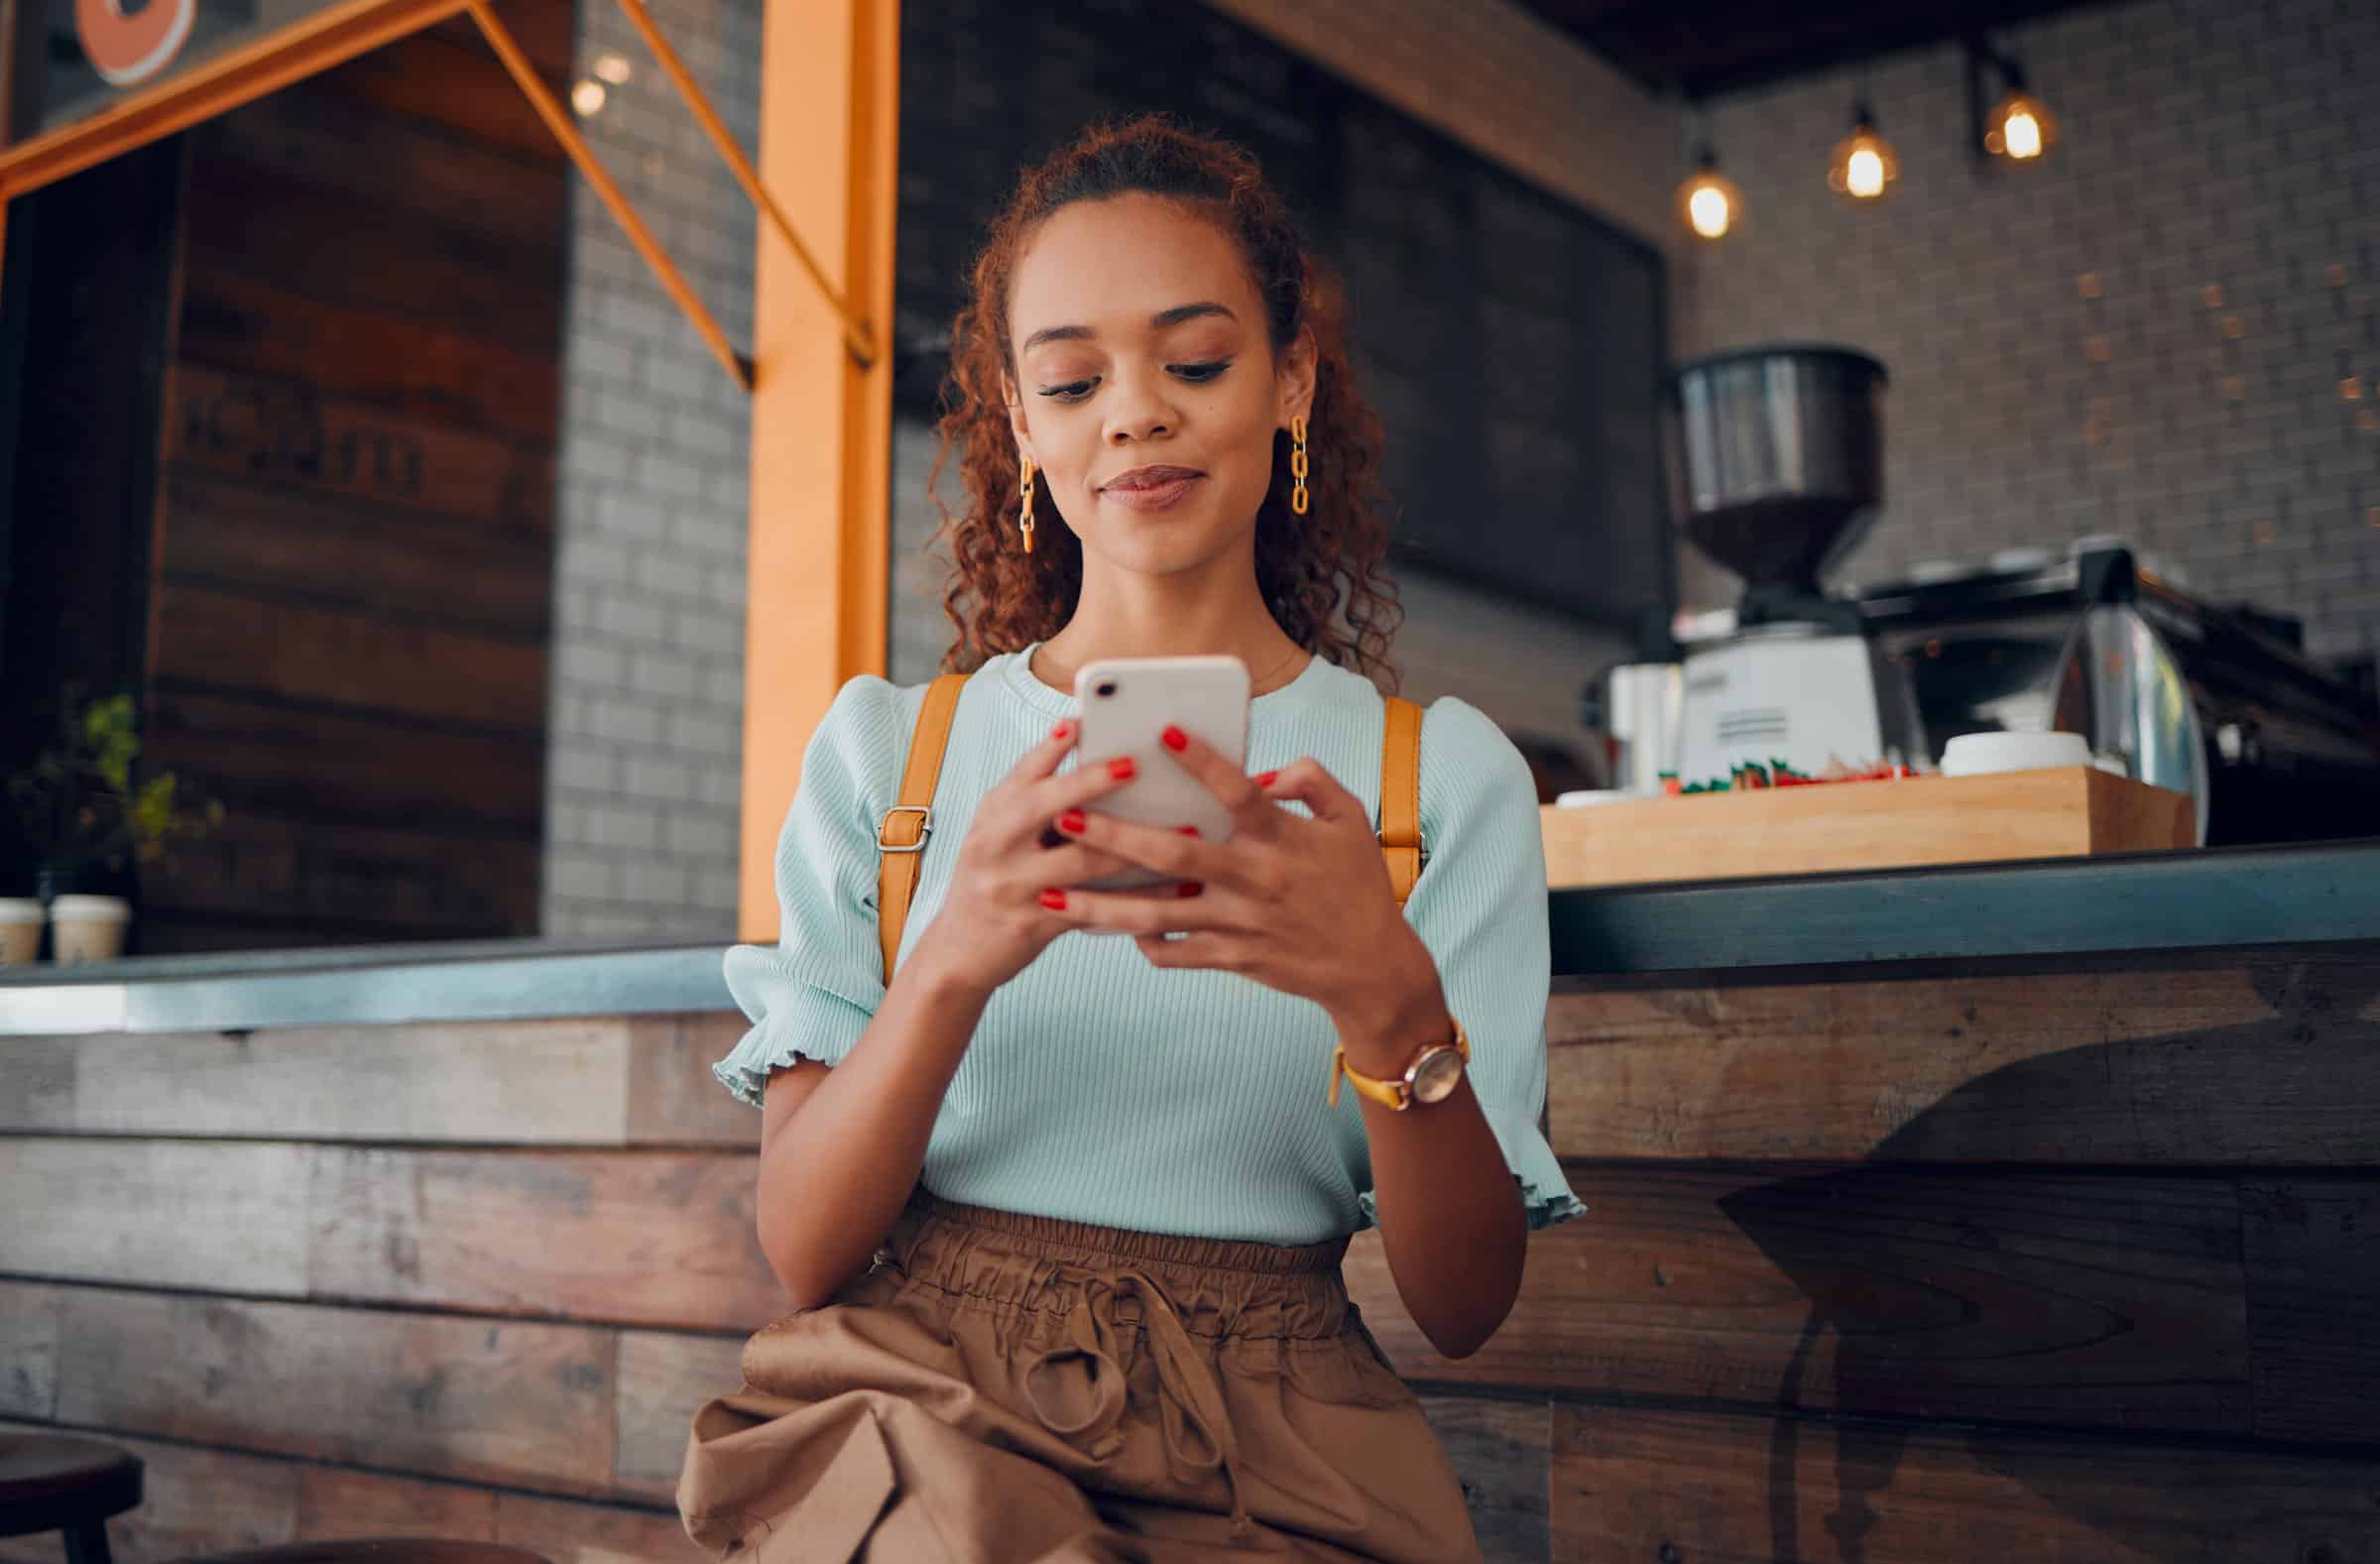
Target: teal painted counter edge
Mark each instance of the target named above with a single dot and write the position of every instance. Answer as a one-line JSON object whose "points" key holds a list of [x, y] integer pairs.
{"points": [[2230, 898], [2223, 897]]}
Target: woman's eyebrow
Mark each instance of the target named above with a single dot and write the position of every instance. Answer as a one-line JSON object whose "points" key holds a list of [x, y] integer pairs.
{"points": [[1159, 322]]}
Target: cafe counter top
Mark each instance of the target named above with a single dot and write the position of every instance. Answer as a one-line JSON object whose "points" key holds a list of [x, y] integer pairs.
{"points": [[2163, 901]]}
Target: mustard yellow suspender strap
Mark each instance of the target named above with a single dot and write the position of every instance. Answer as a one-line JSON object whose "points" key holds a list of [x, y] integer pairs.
{"points": [[901, 835], [1400, 796]]}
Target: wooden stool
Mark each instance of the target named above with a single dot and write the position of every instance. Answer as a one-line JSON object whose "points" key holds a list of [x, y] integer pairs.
{"points": [[379, 1550], [51, 1483]]}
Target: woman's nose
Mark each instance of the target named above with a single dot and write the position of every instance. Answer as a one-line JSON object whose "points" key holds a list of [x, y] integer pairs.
{"points": [[1138, 411]]}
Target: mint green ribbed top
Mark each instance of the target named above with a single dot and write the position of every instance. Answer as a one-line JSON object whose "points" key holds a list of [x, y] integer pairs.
{"points": [[1101, 1089]]}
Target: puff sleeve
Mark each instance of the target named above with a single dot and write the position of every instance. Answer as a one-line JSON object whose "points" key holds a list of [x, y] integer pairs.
{"points": [[1479, 908], [814, 993]]}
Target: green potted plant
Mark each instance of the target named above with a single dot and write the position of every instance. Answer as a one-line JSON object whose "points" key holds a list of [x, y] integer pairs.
{"points": [[87, 823]]}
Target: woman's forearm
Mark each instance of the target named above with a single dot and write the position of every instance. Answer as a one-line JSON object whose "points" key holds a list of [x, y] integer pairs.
{"points": [[834, 1179], [1452, 1223]]}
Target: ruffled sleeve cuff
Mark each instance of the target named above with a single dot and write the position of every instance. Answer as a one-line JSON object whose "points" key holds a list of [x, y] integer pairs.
{"points": [[799, 1019], [1545, 1195]]}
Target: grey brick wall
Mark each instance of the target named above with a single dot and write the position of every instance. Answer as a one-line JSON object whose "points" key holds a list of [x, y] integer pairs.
{"points": [[2168, 329], [645, 769]]}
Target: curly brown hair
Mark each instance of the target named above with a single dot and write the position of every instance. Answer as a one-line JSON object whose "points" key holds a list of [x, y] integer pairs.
{"points": [[1320, 574]]}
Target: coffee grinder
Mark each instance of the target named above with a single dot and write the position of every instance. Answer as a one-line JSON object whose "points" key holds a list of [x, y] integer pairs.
{"points": [[1776, 472]]}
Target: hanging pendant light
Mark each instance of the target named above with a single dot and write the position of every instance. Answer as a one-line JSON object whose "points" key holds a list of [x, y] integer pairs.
{"points": [[1864, 166], [1708, 202], [2020, 129]]}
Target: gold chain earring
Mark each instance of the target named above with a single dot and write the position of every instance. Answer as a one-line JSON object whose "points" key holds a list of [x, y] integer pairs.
{"points": [[1297, 463], [1024, 483]]}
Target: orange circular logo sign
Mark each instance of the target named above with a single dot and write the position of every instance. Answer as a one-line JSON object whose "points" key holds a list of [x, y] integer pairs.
{"points": [[126, 50]]}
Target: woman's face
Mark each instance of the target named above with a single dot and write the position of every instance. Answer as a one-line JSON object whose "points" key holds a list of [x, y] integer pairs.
{"points": [[1146, 391]]}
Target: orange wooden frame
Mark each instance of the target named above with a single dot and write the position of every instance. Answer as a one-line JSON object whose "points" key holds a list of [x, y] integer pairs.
{"points": [[313, 44]]}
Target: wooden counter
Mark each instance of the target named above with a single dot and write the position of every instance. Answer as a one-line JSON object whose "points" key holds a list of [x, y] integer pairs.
{"points": [[2032, 1255]]}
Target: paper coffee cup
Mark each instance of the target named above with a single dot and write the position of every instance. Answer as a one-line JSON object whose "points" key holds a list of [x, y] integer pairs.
{"points": [[87, 928], [20, 930]]}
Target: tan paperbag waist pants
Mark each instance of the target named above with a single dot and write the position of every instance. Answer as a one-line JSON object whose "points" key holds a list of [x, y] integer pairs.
{"points": [[1000, 1389]]}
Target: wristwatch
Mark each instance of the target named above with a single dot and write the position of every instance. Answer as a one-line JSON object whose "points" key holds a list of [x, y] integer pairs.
{"points": [[1430, 1078]]}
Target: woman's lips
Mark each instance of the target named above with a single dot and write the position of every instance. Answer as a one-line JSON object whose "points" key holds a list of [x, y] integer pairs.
{"points": [[1159, 496]]}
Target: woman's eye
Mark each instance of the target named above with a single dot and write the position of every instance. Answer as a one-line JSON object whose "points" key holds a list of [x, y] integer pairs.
{"points": [[1199, 372], [1072, 391]]}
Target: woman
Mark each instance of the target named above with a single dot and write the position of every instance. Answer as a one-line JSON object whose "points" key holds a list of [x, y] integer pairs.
{"points": [[1114, 1327]]}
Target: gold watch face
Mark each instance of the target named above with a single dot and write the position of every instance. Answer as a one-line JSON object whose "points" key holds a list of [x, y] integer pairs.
{"points": [[1435, 1074]]}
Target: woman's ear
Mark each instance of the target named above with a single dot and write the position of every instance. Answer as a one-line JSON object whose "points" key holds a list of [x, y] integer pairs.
{"points": [[1295, 377], [1025, 438]]}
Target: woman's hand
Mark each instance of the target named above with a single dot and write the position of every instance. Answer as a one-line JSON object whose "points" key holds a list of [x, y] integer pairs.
{"points": [[1301, 905], [993, 921]]}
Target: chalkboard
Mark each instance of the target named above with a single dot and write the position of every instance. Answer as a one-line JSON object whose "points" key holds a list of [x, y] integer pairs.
{"points": [[1512, 342]]}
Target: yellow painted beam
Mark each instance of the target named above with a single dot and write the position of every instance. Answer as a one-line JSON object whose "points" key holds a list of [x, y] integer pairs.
{"points": [[821, 424]]}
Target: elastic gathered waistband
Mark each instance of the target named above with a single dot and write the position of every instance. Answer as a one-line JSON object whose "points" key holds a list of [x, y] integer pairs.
{"points": [[1123, 1243]]}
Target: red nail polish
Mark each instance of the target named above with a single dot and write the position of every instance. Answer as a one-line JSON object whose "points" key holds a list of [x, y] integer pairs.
{"points": [[1189, 888], [1061, 730], [1073, 821], [1121, 767], [1267, 779], [1189, 830], [1054, 899], [1175, 739]]}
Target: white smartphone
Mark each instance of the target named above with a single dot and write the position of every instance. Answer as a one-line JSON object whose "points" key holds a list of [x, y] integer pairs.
{"points": [[1127, 703]]}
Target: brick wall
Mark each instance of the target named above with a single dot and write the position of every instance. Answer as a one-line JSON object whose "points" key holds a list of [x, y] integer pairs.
{"points": [[2152, 333], [645, 769]]}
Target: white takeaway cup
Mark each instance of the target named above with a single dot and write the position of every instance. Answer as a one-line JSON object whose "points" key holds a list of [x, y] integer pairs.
{"points": [[20, 930], [87, 928]]}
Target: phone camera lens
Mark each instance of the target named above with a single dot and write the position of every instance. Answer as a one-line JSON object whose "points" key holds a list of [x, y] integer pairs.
{"points": [[1106, 686]]}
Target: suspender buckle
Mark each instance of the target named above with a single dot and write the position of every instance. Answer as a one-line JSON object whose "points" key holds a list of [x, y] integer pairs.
{"points": [[925, 828]]}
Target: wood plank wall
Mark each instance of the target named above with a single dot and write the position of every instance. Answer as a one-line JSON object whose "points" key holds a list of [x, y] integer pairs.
{"points": [[356, 506], [2064, 1265]]}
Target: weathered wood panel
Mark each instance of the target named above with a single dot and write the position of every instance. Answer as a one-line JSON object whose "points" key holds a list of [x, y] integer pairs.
{"points": [[419, 370], [663, 1238], [2066, 1300], [157, 1212], [663, 1380], [212, 1501], [1500, 1450], [28, 1328], [449, 76], [673, 1097], [337, 239], [488, 1400], [593, 1080], [1694, 1489], [300, 652], [640, 1237], [2231, 1062], [282, 757], [2313, 1247]]}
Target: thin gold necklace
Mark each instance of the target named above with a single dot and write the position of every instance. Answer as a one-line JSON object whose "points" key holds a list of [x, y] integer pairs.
{"points": [[1261, 687]]}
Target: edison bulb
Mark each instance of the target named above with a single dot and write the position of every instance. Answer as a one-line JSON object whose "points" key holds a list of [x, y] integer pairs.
{"points": [[1708, 202], [2019, 129], [1863, 164], [1864, 176], [1707, 207], [2023, 135]]}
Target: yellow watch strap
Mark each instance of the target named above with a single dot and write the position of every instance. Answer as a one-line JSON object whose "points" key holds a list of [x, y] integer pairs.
{"points": [[1389, 1094]]}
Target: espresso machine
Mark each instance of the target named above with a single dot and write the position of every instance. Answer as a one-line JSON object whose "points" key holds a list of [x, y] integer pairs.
{"points": [[1776, 463]]}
